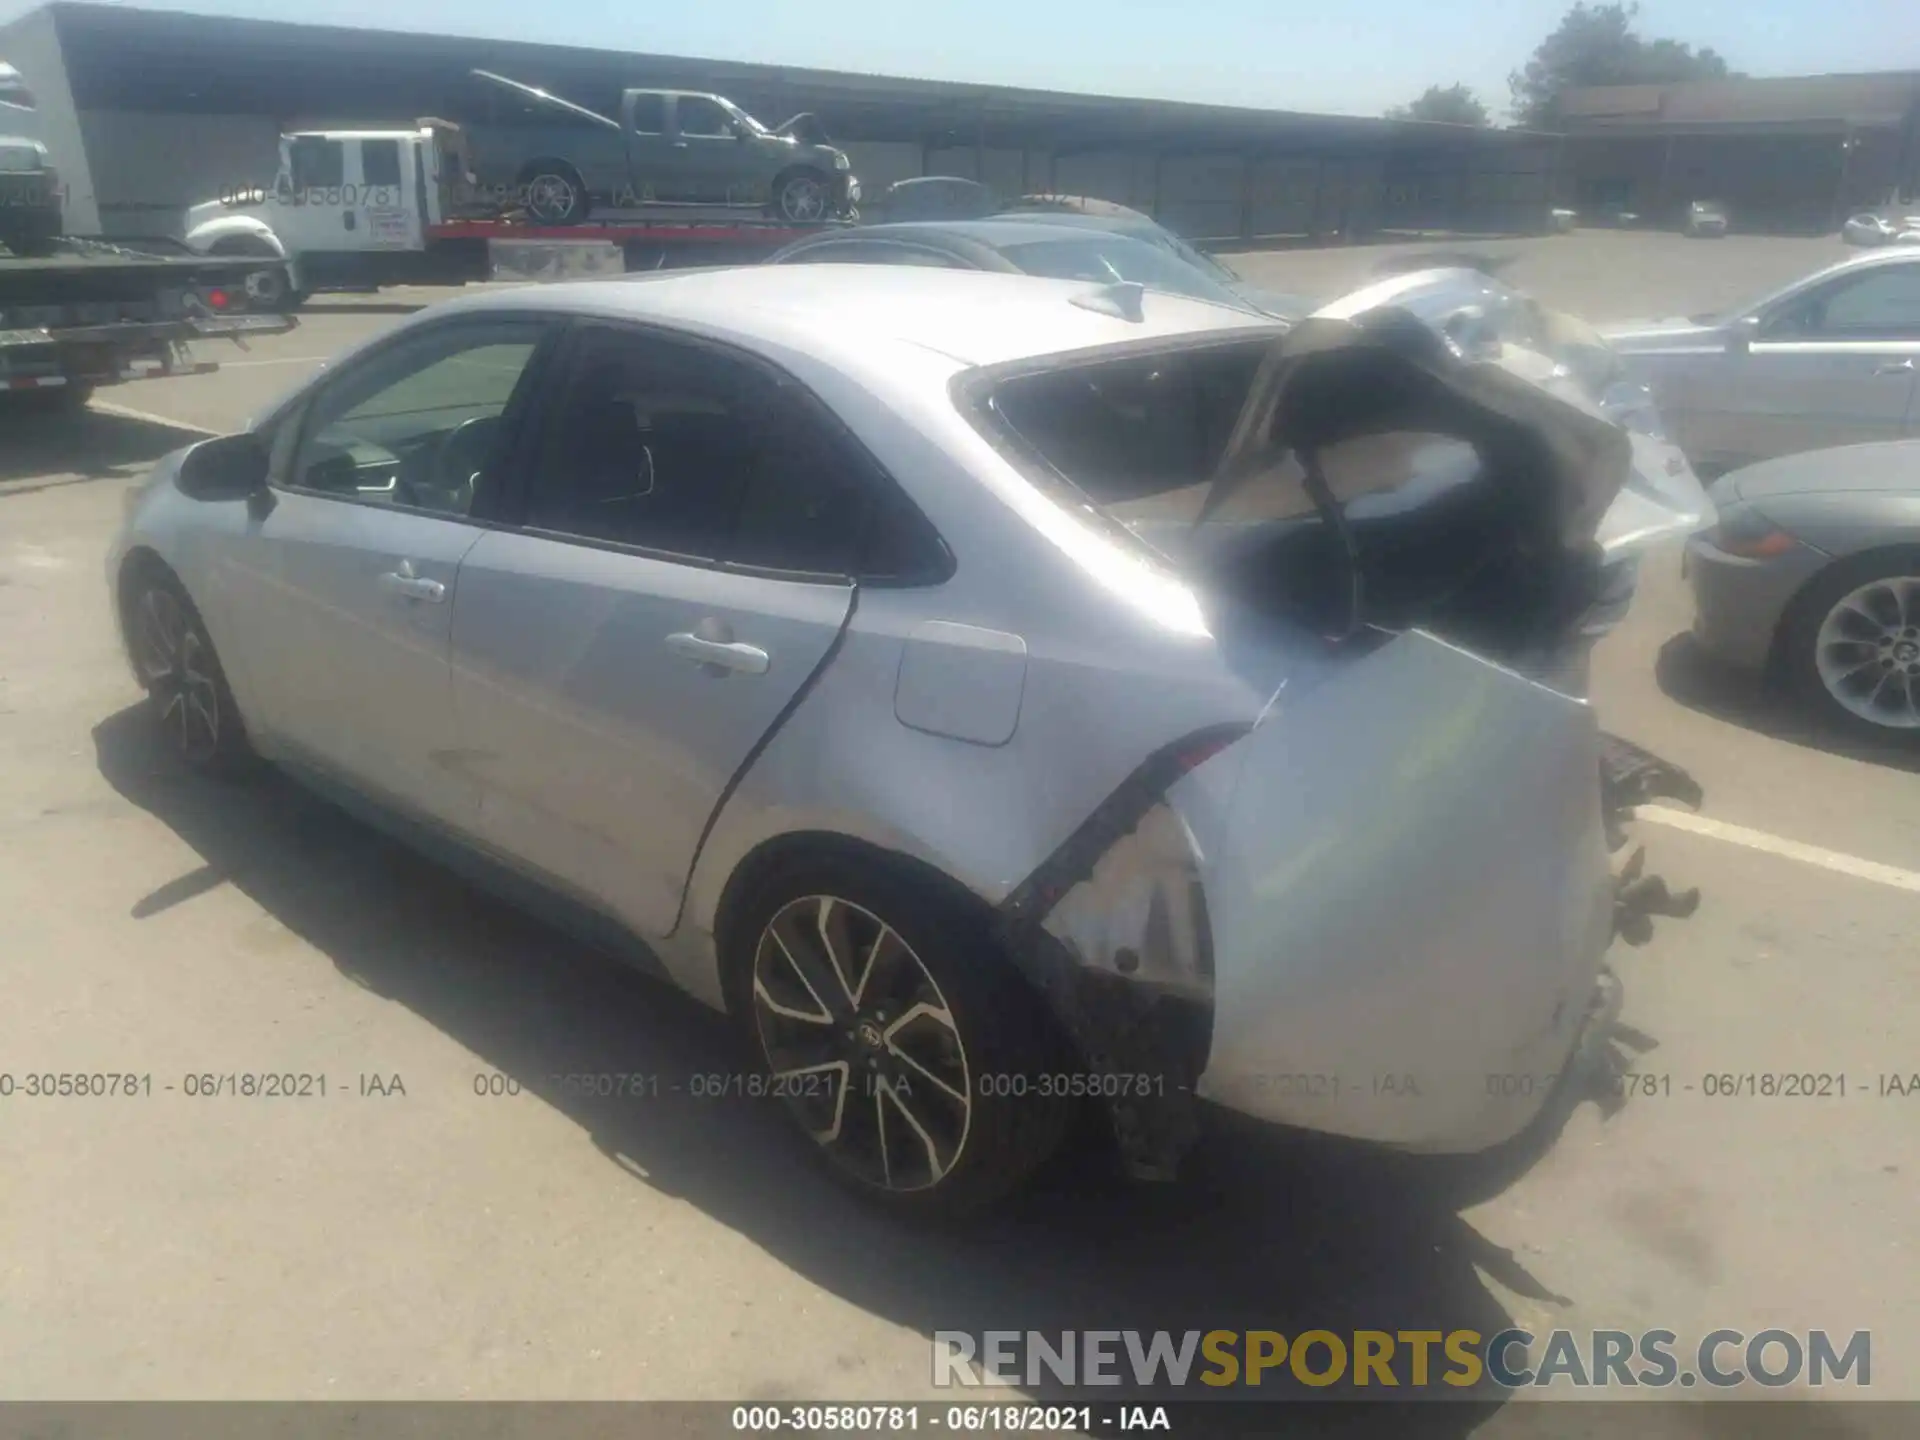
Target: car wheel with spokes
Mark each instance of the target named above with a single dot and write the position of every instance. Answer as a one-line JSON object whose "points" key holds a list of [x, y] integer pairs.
{"points": [[898, 1037], [186, 688], [803, 197], [554, 195], [1852, 645]]}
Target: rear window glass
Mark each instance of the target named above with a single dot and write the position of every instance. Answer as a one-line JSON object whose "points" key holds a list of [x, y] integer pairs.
{"points": [[1132, 429]]}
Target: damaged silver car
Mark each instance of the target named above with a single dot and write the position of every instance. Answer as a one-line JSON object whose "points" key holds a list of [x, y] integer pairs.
{"points": [[1000, 695]]}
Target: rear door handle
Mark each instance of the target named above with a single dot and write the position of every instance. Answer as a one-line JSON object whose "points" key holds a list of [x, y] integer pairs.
{"points": [[1895, 367], [402, 581], [721, 655]]}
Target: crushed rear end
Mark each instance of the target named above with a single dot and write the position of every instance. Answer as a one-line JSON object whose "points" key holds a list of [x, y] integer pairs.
{"points": [[1376, 902]]}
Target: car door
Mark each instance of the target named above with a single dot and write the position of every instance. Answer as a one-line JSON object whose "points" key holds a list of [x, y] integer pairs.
{"points": [[713, 162], [1833, 365], [342, 590], [621, 653], [650, 153]]}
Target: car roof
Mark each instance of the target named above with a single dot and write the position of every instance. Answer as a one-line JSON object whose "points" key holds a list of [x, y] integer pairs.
{"points": [[993, 230], [859, 318]]}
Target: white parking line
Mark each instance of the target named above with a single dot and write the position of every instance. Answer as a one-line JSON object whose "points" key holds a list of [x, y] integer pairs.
{"points": [[108, 407], [279, 360], [1787, 849]]}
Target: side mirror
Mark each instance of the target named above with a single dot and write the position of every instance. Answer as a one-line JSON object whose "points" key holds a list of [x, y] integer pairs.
{"points": [[232, 467], [1741, 334]]}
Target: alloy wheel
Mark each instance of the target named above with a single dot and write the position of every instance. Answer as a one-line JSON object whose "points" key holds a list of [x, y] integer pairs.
{"points": [[803, 199], [175, 667], [1867, 652], [551, 198], [861, 1043]]}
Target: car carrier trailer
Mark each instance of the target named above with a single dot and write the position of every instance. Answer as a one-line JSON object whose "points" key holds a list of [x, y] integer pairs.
{"points": [[360, 209], [91, 313]]}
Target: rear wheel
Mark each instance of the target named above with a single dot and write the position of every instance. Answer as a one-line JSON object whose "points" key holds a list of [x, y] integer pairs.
{"points": [[1851, 646], [186, 688], [555, 193], [269, 288], [899, 1039]]}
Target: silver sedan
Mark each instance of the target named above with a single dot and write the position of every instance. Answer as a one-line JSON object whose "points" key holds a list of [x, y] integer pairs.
{"points": [[998, 694], [1833, 359], [1812, 571]]}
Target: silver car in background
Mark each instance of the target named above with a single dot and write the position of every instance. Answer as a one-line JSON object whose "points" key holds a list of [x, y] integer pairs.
{"points": [[1811, 572], [1833, 359], [996, 693]]}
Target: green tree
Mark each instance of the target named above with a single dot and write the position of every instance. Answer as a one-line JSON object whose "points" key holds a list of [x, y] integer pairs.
{"points": [[1450, 105], [1598, 45]]}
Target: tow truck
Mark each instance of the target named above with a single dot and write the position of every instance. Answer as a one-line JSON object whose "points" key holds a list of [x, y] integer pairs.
{"points": [[357, 210], [77, 313]]}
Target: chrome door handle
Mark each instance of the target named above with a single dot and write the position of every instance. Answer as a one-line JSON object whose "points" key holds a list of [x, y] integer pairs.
{"points": [[720, 654], [414, 587], [1895, 367]]}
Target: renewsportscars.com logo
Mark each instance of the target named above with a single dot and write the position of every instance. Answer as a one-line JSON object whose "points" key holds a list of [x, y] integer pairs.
{"points": [[1440, 1361]]}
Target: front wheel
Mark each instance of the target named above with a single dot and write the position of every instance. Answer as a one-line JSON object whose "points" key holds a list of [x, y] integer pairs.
{"points": [[899, 1039], [803, 197], [1851, 646], [187, 691]]}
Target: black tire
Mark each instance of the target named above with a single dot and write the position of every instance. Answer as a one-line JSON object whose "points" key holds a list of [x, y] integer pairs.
{"points": [[552, 193], [1005, 1039], [803, 196], [187, 690], [1800, 647], [269, 289]]}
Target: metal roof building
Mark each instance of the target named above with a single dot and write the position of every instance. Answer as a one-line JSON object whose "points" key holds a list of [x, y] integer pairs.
{"points": [[1792, 153], [160, 109]]}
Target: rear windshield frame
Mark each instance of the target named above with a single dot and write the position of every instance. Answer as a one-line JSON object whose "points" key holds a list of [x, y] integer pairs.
{"points": [[972, 392]]}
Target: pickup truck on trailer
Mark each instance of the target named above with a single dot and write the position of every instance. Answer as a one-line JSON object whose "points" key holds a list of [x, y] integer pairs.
{"points": [[79, 313], [356, 210]]}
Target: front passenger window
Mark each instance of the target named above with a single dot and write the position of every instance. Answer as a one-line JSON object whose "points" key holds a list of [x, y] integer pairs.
{"points": [[420, 426]]}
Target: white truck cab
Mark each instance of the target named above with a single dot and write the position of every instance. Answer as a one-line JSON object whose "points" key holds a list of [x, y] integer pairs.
{"points": [[348, 209], [30, 208]]}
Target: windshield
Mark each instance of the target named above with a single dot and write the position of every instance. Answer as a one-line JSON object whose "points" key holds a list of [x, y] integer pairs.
{"points": [[1197, 258], [1110, 258], [740, 115]]}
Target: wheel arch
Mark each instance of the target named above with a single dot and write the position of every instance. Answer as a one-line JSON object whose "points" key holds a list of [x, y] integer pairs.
{"points": [[765, 859], [140, 561], [1795, 608], [209, 237], [552, 164]]}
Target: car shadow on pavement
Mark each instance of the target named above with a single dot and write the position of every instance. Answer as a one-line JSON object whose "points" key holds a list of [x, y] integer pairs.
{"points": [[1689, 676], [1271, 1232], [55, 448]]}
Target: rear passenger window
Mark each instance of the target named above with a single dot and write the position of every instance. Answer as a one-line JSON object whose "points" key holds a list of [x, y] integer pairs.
{"points": [[818, 503], [685, 450], [650, 114], [652, 446]]}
